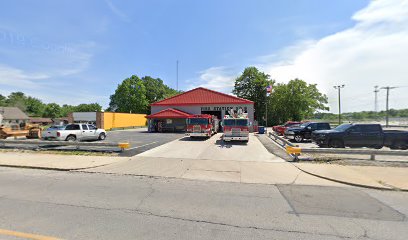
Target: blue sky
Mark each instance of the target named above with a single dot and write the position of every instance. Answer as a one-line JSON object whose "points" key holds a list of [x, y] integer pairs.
{"points": [[78, 51]]}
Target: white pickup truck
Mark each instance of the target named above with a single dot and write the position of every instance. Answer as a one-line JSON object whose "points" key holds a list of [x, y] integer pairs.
{"points": [[80, 132]]}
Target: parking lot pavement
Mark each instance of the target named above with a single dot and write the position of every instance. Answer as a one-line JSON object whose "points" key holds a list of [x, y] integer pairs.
{"points": [[214, 149], [140, 140]]}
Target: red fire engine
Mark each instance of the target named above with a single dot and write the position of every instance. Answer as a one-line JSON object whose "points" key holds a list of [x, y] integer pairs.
{"points": [[202, 125], [236, 126]]}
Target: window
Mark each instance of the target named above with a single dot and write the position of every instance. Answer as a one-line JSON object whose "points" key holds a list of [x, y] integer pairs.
{"points": [[355, 129], [72, 127], [169, 121], [84, 127], [92, 127], [370, 128], [323, 126], [197, 121], [242, 122], [229, 122]]}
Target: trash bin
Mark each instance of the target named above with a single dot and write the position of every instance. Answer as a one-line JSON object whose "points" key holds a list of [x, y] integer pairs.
{"points": [[261, 129]]}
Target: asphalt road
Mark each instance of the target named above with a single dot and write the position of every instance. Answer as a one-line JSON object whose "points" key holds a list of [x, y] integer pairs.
{"points": [[72, 205]]}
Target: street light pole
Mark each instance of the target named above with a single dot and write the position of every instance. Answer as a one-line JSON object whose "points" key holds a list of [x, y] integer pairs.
{"points": [[339, 87], [387, 109]]}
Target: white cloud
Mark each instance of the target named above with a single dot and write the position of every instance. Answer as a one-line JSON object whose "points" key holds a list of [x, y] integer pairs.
{"points": [[15, 77], [117, 11], [373, 52], [216, 78]]}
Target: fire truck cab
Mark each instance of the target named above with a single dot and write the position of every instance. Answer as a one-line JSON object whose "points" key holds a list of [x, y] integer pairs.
{"points": [[236, 127], [202, 125]]}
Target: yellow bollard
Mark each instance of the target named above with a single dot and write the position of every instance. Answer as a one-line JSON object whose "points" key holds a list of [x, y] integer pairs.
{"points": [[123, 146], [295, 151]]}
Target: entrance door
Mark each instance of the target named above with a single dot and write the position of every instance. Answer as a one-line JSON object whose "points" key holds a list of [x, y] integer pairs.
{"points": [[217, 114]]}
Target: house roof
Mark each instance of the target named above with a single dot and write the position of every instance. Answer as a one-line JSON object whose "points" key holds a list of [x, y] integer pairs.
{"points": [[201, 96], [13, 113], [40, 120], [169, 113]]}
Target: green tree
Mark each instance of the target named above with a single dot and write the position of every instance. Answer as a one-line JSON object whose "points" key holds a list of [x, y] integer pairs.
{"points": [[130, 96], [65, 109], [2, 100], [295, 101], [52, 110], [156, 90], [34, 106], [90, 107], [17, 99], [252, 85]]}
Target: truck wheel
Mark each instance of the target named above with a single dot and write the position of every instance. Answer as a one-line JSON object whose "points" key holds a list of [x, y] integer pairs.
{"points": [[102, 136], [298, 138], [71, 138], [400, 145], [336, 144]]}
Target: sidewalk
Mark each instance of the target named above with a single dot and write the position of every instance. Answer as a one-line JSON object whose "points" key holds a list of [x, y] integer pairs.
{"points": [[55, 161], [219, 170]]}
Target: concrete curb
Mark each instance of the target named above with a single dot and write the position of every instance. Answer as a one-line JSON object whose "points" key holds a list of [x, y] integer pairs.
{"points": [[391, 188]]}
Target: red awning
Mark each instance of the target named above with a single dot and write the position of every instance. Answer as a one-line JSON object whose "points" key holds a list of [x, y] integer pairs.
{"points": [[169, 113]]}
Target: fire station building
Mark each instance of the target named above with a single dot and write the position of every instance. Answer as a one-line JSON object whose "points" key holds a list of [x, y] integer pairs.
{"points": [[170, 114]]}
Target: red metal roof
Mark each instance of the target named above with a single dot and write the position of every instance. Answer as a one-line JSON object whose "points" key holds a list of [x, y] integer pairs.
{"points": [[169, 113], [201, 96]]}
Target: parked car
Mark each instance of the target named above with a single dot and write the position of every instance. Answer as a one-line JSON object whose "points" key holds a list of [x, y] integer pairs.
{"points": [[361, 135], [51, 131], [280, 129], [304, 131], [80, 132]]}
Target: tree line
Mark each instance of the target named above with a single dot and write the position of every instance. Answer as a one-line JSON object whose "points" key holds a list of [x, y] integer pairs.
{"points": [[295, 100], [34, 107], [136, 94], [363, 115]]}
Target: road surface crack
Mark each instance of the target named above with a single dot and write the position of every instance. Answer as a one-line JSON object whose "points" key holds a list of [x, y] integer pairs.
{"points": [[149, 213]]}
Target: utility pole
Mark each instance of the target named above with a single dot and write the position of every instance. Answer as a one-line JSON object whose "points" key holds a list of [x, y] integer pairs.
{"points": [[386, 104], [376, 90], [177, 75], [339, 87]]}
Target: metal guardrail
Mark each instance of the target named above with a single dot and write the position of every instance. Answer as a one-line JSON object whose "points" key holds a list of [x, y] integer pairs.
{"points": [[295, 151], [280, 141], [77, 144]]}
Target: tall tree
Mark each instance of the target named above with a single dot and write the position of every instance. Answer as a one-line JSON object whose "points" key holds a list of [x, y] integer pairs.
{"points": [[17, 99], [90, 107], [252, 85], [52, 110], [2, 100], [34, 106], [156, 90], [295, 101], [130, 96]]}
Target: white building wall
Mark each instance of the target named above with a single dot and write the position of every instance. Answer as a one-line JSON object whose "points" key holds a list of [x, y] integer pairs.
{"points": [[84, 116]]}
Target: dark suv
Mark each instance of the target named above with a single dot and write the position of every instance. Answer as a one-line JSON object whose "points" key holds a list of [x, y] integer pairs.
{"points": [[304, 131]]}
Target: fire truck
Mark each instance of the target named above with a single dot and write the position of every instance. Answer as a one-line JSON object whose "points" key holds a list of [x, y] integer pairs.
{"points": [[202, 125], [236, 126]]}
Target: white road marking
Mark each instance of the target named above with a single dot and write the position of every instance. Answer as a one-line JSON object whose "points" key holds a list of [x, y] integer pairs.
{"points": [[141, 146]]}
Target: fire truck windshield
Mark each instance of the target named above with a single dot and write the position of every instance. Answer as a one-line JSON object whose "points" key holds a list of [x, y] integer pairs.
{"points": [[197, 121], [242, 122], [235, 122]]}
